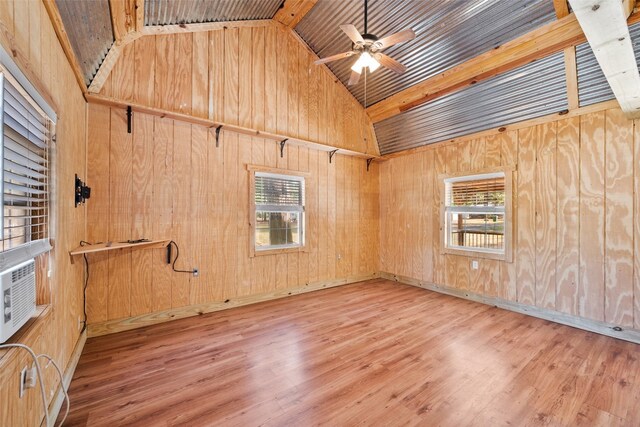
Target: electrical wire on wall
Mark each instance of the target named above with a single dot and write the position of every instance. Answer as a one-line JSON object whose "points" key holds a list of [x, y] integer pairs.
{"points": [[173, 265], [43, 395]]}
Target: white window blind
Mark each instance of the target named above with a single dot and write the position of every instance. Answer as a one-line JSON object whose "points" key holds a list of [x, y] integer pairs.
{"points": [[475, 212], [279, 193], [279, 216], [25, 177]]}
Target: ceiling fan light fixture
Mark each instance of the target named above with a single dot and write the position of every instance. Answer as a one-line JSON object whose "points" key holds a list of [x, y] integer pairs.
{"points": [[365, 60]]}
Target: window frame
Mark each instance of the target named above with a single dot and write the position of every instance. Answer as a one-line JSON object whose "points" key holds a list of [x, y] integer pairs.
{"points": [[507, 256], [30, 248], [253, 251]]}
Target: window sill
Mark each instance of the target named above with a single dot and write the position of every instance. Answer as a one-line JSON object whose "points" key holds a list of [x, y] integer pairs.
{"points": [[476, 254], [257, 252]]}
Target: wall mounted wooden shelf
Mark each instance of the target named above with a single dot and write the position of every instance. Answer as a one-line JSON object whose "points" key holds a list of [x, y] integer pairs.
{"points": [[109, 246]]}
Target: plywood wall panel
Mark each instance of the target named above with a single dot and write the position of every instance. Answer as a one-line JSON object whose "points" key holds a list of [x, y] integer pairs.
{"points": [[201, 200], [545, 216], [142, 199], [526, 215], [576, 226], [567, 215], [636, 228], [592, 216], [195, 70], [98, 210], [28, 34], [199, 75], [619, 219]]}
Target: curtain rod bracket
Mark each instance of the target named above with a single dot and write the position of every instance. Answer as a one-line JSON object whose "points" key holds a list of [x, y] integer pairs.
{"points": [[369, 160], [331, 154], [218, 129], [129, 114], [282, 143]]}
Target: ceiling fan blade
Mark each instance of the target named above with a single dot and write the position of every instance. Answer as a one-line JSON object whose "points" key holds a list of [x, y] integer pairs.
{"points": [[354, 78], [396, 38], [352, 32], [334, 57], [390, 63]]}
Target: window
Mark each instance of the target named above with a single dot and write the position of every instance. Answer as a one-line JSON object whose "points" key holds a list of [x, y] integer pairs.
{"points": [[279, 211], [477, 215], [25, 149]]}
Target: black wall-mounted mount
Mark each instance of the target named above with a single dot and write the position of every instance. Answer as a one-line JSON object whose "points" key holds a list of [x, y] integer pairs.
{"points": [[331, 154], [82, 191], [129, 116], [282, 143], [369, 160], [218, 129]]}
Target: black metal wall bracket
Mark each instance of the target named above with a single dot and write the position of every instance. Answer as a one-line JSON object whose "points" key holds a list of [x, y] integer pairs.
{"points": [[282, 143], [369, 160], [129, 115], [82, 191], [331, 154], [218, 129]]}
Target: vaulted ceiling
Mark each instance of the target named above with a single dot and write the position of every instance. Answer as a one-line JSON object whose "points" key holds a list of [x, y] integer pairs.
{"points": [[448, 33]]}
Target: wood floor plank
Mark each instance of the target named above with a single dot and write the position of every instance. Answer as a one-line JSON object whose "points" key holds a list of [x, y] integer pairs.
{"points": [[370, 353]]}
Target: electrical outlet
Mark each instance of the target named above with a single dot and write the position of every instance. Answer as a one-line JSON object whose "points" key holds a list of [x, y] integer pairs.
{"points": [[23, 380], [28, 378], [474, 264], [196, 272]]}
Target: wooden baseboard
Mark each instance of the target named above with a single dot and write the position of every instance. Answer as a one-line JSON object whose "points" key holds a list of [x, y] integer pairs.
{"points": [[614, 331], [119, 325], [58, 400]]}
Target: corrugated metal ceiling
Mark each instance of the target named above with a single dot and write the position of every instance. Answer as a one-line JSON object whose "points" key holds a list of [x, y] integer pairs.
{"points": [[88, 24], [166, 12], [530, 91], [592, 84], [449, 32]]}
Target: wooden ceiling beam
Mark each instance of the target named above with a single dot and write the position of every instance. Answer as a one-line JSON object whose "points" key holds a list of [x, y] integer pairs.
{"points": [[139, 15], [63, 38], [605, 26], [561, 7], [123, 17], [292, 11], [537, 44]]}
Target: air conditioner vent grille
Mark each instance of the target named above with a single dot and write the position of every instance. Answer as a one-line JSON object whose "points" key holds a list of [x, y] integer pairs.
{"points": [[24, 271], [23, 298]]}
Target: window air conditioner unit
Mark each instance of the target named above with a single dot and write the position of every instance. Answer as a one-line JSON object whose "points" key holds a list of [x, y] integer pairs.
{"points": [[18, 302]]}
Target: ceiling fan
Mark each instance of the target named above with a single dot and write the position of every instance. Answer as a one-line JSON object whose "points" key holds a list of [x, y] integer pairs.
{"points": [[368, 47]]}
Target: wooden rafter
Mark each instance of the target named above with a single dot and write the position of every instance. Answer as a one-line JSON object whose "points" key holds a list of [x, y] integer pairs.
{"points": [[571, 74], [139, 15], [605, 27], [537, 44], [123, 17], [561, 7], [292, 11], [63, 38]]}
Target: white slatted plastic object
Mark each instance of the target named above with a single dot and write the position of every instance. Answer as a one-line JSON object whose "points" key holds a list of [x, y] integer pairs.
{"points": [[18, 302]]}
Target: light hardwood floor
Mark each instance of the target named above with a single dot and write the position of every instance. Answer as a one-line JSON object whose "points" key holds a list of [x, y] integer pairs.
{"points": [[371, 353]]}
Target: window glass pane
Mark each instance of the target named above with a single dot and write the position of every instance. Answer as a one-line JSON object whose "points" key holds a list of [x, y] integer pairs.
{"points": [[277, 229], [476, 231]]}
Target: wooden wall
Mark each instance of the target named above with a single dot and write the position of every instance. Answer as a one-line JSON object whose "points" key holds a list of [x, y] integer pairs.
{"points": [[257, 77], [577, 220], [168, 180], [26, 31]]}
